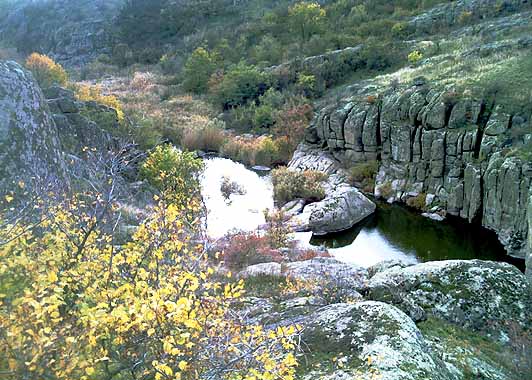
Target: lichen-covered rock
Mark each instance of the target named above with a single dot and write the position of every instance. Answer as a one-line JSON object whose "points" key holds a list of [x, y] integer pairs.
{"points": [[263, 269], [470, 355], [77, 132], [472, 293], [328, 270], [385, 265], [340, 281], [29, 142], [370, 339]]}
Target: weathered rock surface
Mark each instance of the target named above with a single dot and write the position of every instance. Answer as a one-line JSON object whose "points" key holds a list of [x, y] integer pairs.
{"points": [[371, 338], [447, 15], [451, 150], [343, 206], [76, 131], [70, 31], [263, 269], [29, 142], [326, 270], [470, 293]]}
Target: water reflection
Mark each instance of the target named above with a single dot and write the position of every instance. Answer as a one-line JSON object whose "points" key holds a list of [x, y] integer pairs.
{"points": [[393, 232]]}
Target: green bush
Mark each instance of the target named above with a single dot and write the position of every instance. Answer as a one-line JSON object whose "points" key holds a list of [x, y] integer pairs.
{"points": [[414, 57], [198, 70], [418, 202], [364, 171], [264, 116], [241, 85], [174, 173], [289, 185]]}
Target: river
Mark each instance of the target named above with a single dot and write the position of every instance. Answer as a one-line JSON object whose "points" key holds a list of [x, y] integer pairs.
{"points": [[393, 232]]}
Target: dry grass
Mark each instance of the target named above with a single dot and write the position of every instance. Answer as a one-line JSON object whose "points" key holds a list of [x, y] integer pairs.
{"points": [[159, 111]]}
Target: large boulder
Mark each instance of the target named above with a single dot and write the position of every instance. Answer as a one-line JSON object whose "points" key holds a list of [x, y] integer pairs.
{"points": [[369, 339], [340, 210], [326, 277], [472, 293], [29, 142], [343, 206]]}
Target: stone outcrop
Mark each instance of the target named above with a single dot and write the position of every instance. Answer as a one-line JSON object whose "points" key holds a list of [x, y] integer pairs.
{"points": [[373, 338], [462, 153], [45, 136], [450, 14], [70, 31], [471, 293], [438, 320], [343, 206], [30, 148], [76, 130]]}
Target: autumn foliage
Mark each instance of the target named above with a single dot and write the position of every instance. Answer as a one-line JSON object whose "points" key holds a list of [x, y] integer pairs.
{"points": [[46, 71], [74, 305]]}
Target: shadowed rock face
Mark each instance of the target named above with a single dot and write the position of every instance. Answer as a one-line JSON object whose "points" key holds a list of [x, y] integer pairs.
{"points": [[70, 31], [454, 151], [29, 143]]}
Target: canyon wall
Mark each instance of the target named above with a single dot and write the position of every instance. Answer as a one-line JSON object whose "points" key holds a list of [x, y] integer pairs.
{"points": [[462, 155]]}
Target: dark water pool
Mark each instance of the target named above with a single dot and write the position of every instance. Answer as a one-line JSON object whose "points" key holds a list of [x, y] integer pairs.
{"points": [[392, 233], [395, 232]]}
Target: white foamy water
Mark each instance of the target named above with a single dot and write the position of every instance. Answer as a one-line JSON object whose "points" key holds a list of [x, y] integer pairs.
{"points": [[244, 212]]}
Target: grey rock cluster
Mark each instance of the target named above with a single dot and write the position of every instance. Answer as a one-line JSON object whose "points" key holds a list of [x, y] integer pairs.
{"points": [[343, 206], [407, 322], [430, 142]]}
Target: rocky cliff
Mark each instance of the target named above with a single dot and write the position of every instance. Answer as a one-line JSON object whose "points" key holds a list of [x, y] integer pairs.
{"points": [[70, 31], [464, 155], [44, 135], [29, 139]]}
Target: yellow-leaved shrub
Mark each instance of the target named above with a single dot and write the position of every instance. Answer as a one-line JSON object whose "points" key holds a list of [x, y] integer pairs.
{"points": [[87, 93], [74, 305], [46, 71]]}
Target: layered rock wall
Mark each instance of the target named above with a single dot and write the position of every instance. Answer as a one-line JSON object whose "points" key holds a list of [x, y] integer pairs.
{"points": [[466, 156]]}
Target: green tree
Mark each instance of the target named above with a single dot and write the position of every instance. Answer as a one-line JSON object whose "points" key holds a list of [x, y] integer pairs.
{"points": [[240, 85], [198, 69], [306, 18], [174, 173]]}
